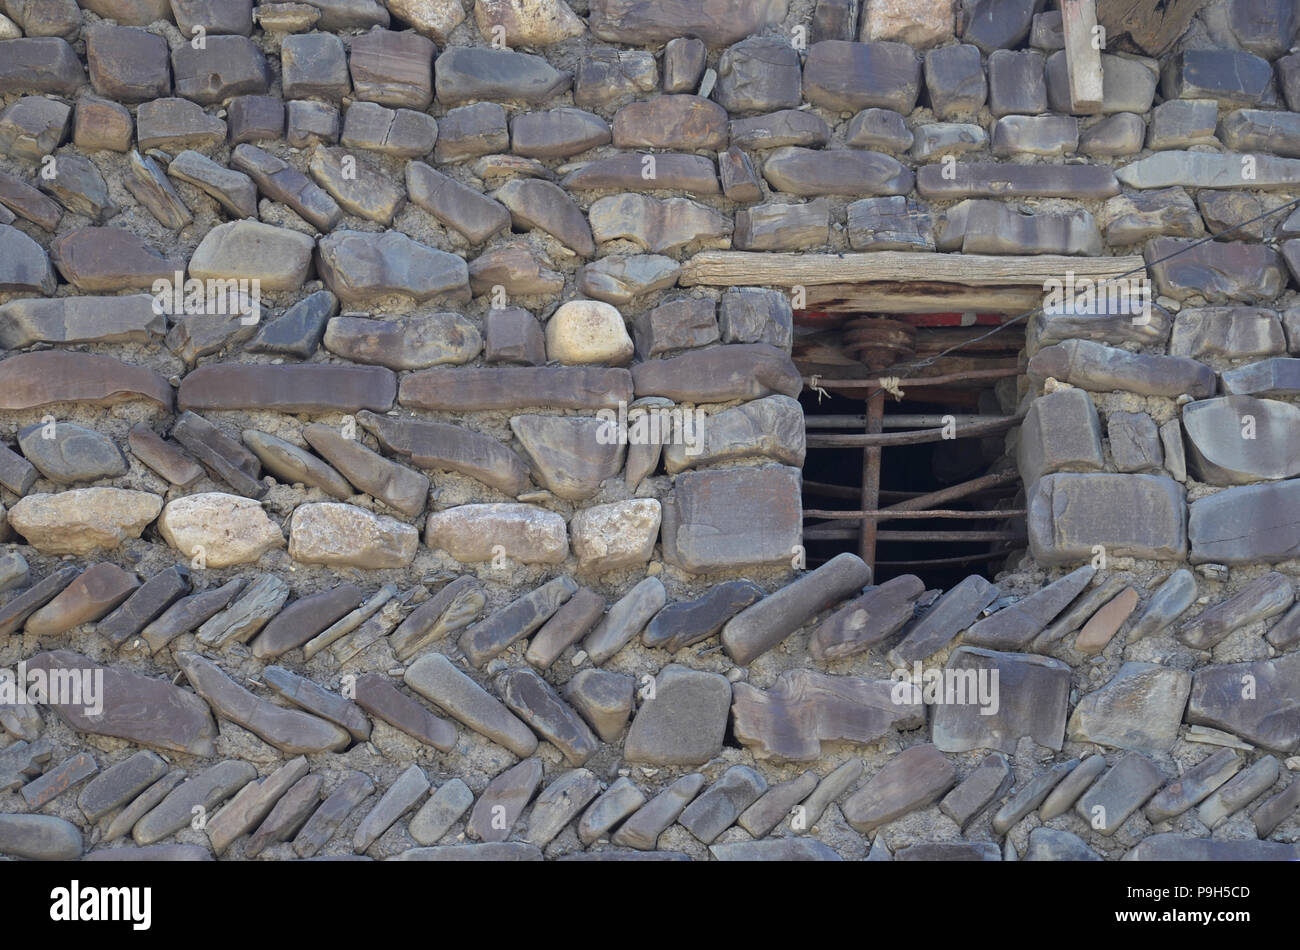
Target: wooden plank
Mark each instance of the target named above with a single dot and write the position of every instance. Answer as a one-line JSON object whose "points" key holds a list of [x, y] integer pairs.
{"points": [[1082, 58], [729, 268], [920, 298]]}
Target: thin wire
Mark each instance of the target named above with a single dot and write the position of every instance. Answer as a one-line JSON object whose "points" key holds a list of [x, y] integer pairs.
{"points": [[931, 360]]}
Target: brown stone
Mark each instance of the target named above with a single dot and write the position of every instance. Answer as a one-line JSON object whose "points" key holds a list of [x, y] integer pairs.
{"points": [[298, 388], [97, 591], [109, 259], [32, 380], [672, 122]]}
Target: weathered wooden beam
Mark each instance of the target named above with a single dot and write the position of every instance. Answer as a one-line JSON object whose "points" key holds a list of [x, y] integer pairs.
{"points": [[728, 268], [909, 297], [1082, 55]]}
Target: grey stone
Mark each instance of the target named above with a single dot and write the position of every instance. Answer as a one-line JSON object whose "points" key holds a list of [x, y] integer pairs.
{"points": [[503, 801], [400, 133], [1030, 796], [955, 81], [774, 849], [1015, 626], [1121, 320], [281, 182], [308, 123], [1067, 792], [1231, 77], [435, 678], [464, 74], [867, 620], [915, 778], [642, 830], [786, 127], [454, 607], [204, 791], [1116, 135], [1050, 844], [314, 64], [989, 227], [684, 62], [1262, 598], [291, 731], [1276, 810], [1007, 180], [559, 803], [287, 816], [813, 172], [513, 335], [937, 139], [615, 804], [685, 623], [225, 67], [291, 464], [71, 453], [1177, 847], [515, 621], [1017, 83], [252, 803], [1194, 785], [1130, 515], [382, 700], [13, 571], [456, 205], [786, 227], [848, 77], [935, 629], [621, 279], [394, 69], [119, 784], [805, 708], [415, 342], [1244, 524], [1269, 720], [1031, 699], [320, 827], [188, 613], [148, 601], [1101, 368], [491, 851], [1047, 135], [626, 618], [1139, 709], [220, 454], [531, 698], [470, 131], [1134, 442], [359, 188], [1180, 123], [986, 783], [233, 190], [1272, 377], [719, 806], [1167, 604], [318, 701], [443, 809], [608, 78], [407, 789], [684, 721], [567, 454], [602, 698], [304, 619], [764, 625], [255, 119], [1234, 440], [566, 626], [758, 74], [39, 838], [1119, 793]]}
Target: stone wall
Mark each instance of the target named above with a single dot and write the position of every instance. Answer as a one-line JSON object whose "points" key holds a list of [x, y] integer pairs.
{"points": [[376, 569]]}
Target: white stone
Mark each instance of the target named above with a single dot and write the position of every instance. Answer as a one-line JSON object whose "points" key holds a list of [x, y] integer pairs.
{"points": [[434, 18], [528, 22], [473, 533], [84, 519], [918, 23], [617, 536], [222, 529], [347, 536], [588, 331]]}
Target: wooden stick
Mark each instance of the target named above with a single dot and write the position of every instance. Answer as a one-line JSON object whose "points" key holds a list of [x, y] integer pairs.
{"points": [[843, 440], [952, 492], [1082, 58], [915, 382], [887, 515]]}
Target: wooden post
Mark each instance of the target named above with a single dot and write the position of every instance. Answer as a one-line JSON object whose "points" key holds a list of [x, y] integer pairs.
{"points": [[871, 477], [1082, 57]]}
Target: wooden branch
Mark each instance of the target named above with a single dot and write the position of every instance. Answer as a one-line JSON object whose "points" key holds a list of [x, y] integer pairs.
{"points": [[953, 492], [887, 515], [1082, 58], [915, 382], [844, 440]]}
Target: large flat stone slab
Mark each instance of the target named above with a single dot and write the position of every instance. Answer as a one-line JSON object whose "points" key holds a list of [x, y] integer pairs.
{"points": [[1141, 516]]}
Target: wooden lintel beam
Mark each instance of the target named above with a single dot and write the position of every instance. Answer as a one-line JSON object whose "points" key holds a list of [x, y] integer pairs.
{"points": [[1082, 55], [728, 268]]}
